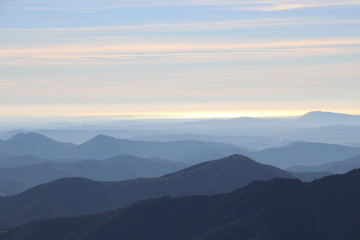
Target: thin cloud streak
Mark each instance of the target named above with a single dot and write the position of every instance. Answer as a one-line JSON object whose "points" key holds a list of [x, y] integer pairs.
{"points": [[244, 5], [183, 27], [160, 54], [280, 5], [194, 51], [176, 47]]}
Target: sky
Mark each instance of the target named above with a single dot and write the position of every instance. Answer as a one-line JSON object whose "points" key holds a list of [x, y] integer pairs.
{"points": [[195, 58]]}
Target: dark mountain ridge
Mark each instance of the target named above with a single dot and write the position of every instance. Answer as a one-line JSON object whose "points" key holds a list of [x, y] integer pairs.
{"points": [[279, 209], [76, 196]]}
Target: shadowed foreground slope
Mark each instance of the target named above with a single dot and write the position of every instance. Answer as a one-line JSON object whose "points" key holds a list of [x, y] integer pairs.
{"points": [[279, 209], [77, 196]]}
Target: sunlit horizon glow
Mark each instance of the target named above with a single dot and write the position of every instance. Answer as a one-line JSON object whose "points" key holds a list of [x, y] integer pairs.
{"points": [[110, 112]]}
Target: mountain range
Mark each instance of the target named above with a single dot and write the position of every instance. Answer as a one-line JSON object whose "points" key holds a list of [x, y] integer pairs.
{"points": [[341, 166], [304, 153], [102, 147], [250, 142], [310, 119], [279, 209], [18, 179], [77, 196], [17, 149], [253, 133]]}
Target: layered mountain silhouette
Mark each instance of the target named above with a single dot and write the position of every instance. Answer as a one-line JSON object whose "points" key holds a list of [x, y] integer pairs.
{"points": [[341, 166], [279, 209], [102, 147], [333, 134], [77, 196], [309, 176], [316, 126], [38, 145], [304, 153], [21, 160], [250, 142], [18, 149], [310, 119], [16, 180], [82, 134]]}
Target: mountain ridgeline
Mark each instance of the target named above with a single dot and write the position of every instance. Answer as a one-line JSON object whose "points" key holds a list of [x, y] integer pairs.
{"points": [[112, 188], [102, 147], [18, 179], [77, 196], [304, 153], [279, 209], [30, 148], [341, 166], [21, 172]]}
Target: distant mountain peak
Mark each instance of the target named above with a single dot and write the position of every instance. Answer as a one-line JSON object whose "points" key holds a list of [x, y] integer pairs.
{"points": [[235, 157], [319, 118], [324, 115], [102, 138], [231, 165], [29, 136]]}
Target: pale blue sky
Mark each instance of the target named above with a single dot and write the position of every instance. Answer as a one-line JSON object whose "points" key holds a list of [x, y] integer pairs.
{"points": [[200, 56]]}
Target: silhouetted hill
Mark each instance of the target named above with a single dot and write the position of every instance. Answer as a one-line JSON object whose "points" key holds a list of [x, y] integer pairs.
{"points": [[279, 209], [115, 169], [329, 118], [102, 147], [304, 153], [76, 196], [38, 145], [341, 166], [81, 135]]}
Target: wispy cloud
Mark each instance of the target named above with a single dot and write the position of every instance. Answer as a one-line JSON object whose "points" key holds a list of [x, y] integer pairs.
{"points": [[182, 27], [176, 51], [253, 5], [135, 91], [282, 5]]}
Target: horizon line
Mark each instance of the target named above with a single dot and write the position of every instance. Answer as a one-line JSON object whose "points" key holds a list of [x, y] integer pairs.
{"points": [[170, 116]]}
